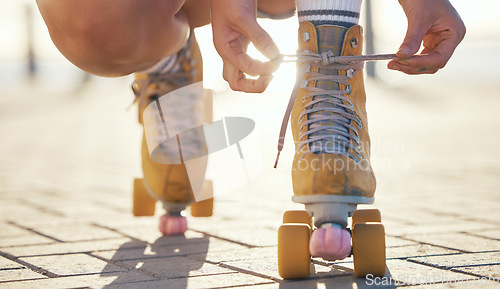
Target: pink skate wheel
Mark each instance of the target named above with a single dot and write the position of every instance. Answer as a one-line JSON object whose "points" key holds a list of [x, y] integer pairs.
{"points": [[173, 225], [331, 243]]}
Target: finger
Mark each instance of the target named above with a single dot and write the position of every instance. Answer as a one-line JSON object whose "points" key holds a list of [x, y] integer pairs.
{"points": [[414, 36], [262, 41], [235, 53], [239, 82], [395, 65], [432, 58]]}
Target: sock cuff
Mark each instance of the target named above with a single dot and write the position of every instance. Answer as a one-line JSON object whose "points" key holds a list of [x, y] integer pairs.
{"points": [[335, 12], [168, 63]]}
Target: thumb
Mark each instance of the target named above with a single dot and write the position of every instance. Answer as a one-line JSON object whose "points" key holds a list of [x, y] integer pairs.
{"points": [[413, 39], [262, 41]]}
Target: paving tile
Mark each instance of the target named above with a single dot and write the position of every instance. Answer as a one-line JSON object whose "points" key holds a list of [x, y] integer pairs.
{"points": [[21, 213], [492, 234], [74, 231], [72, 264], [412, 274], [391, 241], [458, 241], [73, 247], [189, 247], [262, 237], [24, 240], [438, 228], [461, 260], [9, 230], [176, 267], [91, 281], [416, 250], [269, 267], [18, 274], [152, 234], [211, 281], [9, 264], [242, 253]]}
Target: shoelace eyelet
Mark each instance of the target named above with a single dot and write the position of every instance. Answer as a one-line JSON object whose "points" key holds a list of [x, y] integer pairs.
{"points": [[350, 73], [354, 42], [348, 89]]}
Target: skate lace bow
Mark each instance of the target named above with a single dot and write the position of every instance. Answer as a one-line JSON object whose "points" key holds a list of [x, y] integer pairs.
{"points": [[339, 111]]}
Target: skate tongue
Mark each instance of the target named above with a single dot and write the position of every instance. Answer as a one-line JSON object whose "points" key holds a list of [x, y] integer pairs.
{"points": [[330, 38]]}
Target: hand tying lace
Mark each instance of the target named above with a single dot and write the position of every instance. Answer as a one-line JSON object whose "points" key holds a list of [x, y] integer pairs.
{"points": [[335, 113]]}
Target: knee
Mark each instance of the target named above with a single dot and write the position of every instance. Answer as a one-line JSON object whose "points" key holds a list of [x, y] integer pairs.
{"points": [[105, 38], [277, 9]]}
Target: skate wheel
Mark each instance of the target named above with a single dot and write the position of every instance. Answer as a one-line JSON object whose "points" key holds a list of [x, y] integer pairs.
{"points": [[297, 216], [173, 225], [204, 208], [364, 216], [368, 249], [143, 203], [294, 260]]}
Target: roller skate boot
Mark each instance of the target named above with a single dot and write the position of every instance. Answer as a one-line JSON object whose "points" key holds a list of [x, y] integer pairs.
{"points": [[331, 170], [170, 183]]}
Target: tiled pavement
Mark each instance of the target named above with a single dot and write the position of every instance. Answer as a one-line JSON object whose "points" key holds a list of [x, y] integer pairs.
{"points": [[67, 160]]}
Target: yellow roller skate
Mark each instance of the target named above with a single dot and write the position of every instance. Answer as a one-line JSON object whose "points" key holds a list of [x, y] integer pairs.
{"points": [[170, 183], [331, 170]]}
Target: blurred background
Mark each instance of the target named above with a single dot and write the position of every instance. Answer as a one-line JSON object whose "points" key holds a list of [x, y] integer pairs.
{"points": [[62, 129]]}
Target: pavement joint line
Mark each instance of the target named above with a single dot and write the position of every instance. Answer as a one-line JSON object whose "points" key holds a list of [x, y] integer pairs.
{"points": [[475, 265], [109, 206], [226, 239], [124, 265], [243, 285], [489, 221], [27, 245], [14, 268], [244, 271], [21, 280], [29, 266], [435, 245], [42, 209], [71, 253], [118, 232], [34, 231], [445, 268], [495, 279], [480, 236]]}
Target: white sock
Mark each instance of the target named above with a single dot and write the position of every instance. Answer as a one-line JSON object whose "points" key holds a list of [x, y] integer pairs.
{"points": [[167, 64], [343, 13]]}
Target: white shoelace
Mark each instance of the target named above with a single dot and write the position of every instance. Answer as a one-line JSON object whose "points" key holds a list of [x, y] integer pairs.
{"points": [[336, 113]]}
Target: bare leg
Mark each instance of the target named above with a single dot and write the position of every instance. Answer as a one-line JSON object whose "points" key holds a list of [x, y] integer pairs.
{"points": [[118, 37], [276, 7]]}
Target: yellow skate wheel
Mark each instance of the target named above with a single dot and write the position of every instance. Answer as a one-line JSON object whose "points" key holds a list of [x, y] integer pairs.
{"points": [[368, 249], [364, 216], [297, 216], [204, 208], [143, 203], [294, 260]]}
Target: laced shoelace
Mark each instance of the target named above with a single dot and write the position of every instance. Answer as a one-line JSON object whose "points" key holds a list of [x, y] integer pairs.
{"points": [[338, 114]]}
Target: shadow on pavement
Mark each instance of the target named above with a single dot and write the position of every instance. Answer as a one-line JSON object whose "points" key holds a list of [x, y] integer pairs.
{"points": [[344, 280], [164, 259]]}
